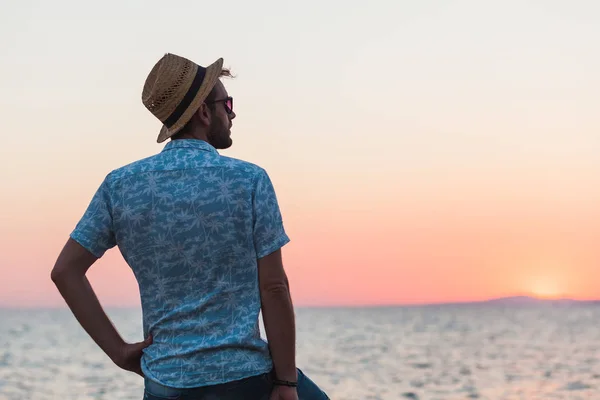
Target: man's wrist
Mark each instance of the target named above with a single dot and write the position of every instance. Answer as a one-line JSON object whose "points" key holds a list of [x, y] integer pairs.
{"points": [[115, 351], [281, 376], [281, 382]]}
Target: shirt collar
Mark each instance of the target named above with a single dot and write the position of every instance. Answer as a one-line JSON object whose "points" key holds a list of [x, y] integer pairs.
{"points": [[190, 144]]}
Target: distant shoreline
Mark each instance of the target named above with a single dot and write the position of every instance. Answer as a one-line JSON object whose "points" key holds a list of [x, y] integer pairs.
{"points": [[499, 301]]}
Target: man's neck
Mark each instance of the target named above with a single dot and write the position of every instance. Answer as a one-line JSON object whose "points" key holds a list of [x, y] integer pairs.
{"points": [[192, 135]]}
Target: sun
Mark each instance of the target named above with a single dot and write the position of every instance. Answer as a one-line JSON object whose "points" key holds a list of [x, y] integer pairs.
{"points": [[546, 278], [545, 289]]}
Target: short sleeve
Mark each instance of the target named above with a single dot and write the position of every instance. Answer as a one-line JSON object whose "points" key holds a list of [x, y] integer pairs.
{"points": [[269, 233], [94, 231]]}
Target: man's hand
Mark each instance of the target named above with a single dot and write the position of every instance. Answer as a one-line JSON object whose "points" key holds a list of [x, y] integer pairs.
{"points": [[129, 355], [284, 393]]}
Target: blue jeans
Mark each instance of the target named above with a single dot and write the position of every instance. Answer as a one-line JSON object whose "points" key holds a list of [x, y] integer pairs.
{"points": [[254, 388]]}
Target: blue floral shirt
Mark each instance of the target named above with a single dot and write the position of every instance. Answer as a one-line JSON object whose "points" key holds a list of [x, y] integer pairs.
{"points": [[191, 224]]}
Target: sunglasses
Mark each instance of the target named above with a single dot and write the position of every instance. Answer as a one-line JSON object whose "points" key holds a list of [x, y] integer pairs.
{"points": [[227, 102]]}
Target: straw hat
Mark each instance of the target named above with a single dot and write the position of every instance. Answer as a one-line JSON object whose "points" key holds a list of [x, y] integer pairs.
{"points": [[175, 89]]}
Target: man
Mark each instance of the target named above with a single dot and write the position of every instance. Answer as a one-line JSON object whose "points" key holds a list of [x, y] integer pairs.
{"points": [[203, 235]]}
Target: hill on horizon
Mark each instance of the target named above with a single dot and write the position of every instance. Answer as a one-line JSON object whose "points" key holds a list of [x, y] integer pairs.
{"points": [[529, 300]]}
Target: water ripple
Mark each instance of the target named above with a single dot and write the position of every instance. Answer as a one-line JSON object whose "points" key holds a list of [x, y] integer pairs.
{"points": [[418, 353]]}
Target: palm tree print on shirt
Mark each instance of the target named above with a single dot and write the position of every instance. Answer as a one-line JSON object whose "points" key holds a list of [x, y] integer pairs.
{"points": [[191, 224]]}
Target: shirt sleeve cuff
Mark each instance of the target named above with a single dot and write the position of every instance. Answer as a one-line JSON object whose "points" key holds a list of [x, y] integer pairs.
{"points": [[87, 244], [272, 246]]}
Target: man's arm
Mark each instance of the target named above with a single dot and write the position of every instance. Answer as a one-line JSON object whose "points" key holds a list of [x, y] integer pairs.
{"points": [[278, 315], [69, 277], [278, 312]]}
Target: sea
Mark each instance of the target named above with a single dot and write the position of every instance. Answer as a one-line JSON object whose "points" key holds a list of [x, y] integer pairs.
{"points": [[441, 352]]}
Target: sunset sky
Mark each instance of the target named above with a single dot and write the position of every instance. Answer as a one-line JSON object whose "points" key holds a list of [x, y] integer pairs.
{"points": [[422, 151]]}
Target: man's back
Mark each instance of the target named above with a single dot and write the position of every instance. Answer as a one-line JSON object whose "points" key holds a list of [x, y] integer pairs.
{"points": [[191, 224]]}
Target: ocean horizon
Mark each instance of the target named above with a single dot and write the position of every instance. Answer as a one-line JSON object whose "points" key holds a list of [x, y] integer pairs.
{"points": [[516, 300]]}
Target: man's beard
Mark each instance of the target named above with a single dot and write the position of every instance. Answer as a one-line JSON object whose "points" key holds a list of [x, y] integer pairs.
{"points": [[218, 135]]}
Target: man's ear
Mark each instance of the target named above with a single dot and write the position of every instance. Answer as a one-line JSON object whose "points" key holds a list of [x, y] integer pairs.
{"points": [[204, 114]]}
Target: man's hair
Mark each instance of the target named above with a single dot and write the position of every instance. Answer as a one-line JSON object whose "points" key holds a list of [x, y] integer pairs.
{"points": [[212, 95], [209, 100]]}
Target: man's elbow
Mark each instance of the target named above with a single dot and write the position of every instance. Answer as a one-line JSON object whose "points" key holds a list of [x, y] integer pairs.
{"points": [[56, 275], [60, 274]]}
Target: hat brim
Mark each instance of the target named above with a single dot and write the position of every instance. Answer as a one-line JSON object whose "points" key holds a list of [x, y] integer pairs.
{"points": [[213, 72]]}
